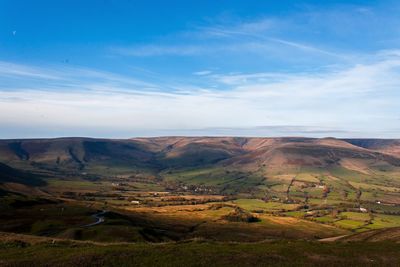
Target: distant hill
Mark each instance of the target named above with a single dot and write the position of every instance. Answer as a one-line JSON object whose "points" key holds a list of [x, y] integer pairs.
{"points": [[166, 152], [245, 162], [389, 146]]}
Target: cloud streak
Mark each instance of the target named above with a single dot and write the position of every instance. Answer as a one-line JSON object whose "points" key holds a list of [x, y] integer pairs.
{"points": [[359, 99], [259, 36]]}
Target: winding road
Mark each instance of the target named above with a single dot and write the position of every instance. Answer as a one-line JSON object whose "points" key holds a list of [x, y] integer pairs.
{"points": [[100, 219]]}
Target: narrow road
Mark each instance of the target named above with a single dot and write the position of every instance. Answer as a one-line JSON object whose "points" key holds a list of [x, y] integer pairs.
{"points": [[99, 217], [331, 239]]}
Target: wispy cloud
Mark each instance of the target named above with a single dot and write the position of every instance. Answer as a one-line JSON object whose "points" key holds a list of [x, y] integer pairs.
{"points": [[8, 69], [14, 76], [259, 36], [160, 50], [202, 72], [342, 32], [254, 28], [347, 98], [308, 48], [262, 30]]}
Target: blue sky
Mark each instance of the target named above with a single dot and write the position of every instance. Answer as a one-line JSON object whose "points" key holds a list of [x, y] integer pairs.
{"points": [[251, 68]]}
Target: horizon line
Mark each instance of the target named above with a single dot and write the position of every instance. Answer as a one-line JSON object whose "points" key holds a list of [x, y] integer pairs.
{"points": [[195, 136]]}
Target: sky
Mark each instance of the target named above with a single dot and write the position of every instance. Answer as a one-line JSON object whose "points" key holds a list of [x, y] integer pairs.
{"points": [[121, 69]]}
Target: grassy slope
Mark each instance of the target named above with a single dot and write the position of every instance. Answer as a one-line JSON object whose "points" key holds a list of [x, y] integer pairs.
{"points": [[18, 250], [388, 234], [230, 165], [11, 175]]}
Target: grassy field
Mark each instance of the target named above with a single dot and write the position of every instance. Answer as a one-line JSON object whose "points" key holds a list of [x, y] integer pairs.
{"points": [[384, 221], [258, 204]]}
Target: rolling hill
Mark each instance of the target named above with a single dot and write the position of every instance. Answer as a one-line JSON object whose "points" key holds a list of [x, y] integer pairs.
{"points": [[223, 162]]}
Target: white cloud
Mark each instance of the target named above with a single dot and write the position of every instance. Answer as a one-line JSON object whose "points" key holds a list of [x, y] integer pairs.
{"points": [[160, 50], [252, 28], [361, 98], [8, 69], [202, 72], [258, 36]]}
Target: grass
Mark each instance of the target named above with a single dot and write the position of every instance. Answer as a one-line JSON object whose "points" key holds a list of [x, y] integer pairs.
{"points": [[346, 174], [373, 186], [257, 204], [326, 219], [359, 222], [105, 233], [384, 221], [279, 253], [76, 185], [349, 224], [308, 177], [228, 181], [357, 216], [34, 216], [297, 214], [382, 208]]}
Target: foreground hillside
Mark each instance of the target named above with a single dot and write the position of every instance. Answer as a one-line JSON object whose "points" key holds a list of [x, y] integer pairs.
{"points": [[377, 235], [21, 250]]}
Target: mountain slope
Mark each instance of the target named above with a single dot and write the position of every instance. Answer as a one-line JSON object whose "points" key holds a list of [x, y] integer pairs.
{"points": [[222, 162], [389, 146], [11, 175]]}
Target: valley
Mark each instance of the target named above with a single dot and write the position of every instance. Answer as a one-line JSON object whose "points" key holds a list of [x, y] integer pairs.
{"points": [[195, 189]]}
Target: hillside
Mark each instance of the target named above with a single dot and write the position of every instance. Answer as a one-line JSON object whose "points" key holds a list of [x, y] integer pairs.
{"points": [[180, 152], [17, 250], [389, 146], [227, 163], [388, 234], [11, 175]]}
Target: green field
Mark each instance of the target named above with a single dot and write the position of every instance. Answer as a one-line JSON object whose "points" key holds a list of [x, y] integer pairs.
{"points": [[257, 204]]}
